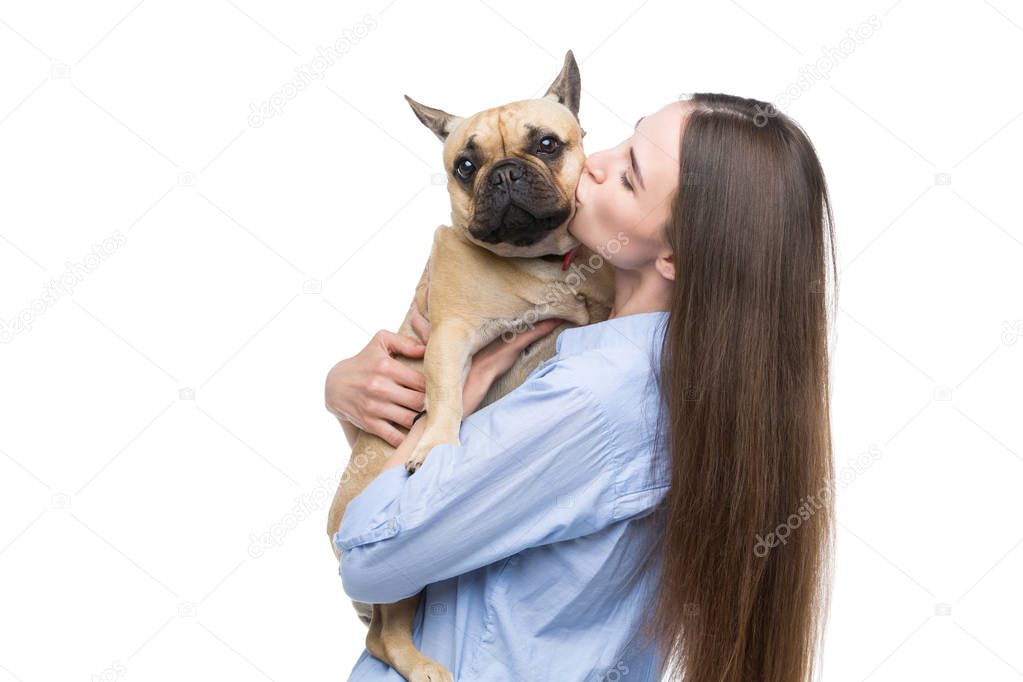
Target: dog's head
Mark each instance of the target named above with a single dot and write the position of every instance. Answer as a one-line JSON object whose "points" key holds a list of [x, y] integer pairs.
{"points": [[512, 170]]}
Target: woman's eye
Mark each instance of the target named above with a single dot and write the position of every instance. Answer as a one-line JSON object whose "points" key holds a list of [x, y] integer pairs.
{"points": [[464, 168], [548, 145], [625, 181]]}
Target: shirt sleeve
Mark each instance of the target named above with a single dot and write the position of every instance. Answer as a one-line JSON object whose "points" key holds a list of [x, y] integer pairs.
{"points": [[532, 468]]}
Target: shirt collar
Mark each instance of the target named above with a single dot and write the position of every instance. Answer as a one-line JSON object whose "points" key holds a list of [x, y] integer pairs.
{"points": [[644, 331]]}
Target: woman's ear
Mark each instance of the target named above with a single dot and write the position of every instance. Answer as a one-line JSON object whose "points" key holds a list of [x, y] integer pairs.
{"points": [[666, 266]]}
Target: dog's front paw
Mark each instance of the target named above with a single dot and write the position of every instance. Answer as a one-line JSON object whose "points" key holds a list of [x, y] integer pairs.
{"points": [[422, 449], [430, 672], [415, 460]]}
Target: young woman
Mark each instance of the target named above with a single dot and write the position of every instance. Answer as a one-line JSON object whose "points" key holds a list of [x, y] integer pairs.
{"points": [[655, 498]]}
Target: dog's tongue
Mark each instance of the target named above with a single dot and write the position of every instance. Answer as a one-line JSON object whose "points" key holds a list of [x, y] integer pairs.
{"points": [[568, 258]]}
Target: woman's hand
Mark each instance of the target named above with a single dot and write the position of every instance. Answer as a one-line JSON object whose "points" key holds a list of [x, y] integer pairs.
{"points": [[372, 389], [491, 361]]}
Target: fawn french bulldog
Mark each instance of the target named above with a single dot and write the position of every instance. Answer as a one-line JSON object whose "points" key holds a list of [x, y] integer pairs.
{"points": [[503, 263]]}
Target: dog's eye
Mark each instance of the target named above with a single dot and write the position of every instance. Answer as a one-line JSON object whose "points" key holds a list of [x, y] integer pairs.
{"points": [[464, 168], [548, 145]]}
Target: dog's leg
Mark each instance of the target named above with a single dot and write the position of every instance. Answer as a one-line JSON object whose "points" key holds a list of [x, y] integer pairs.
{"points": [[368, 456], [390, 639], [445, 365]]}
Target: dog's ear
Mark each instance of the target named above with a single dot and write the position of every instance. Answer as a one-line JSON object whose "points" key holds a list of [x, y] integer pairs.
{"points": [[440, 122], [566, 87]]}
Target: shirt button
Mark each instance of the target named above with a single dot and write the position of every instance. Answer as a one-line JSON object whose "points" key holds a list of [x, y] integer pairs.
{"points": [[392, 524]]}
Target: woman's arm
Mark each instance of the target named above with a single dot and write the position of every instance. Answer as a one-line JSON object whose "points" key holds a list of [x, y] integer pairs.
{"points": [[535, 467]]}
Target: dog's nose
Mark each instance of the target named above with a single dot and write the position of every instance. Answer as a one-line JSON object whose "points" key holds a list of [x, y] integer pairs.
{"points": [[505, 173]]}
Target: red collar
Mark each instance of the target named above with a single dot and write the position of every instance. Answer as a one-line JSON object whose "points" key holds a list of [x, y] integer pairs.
{"points": [[568, 258]]}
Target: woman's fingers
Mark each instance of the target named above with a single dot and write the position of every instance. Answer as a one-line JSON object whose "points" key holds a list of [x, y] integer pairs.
{"points": [[403, 397], [403, 345], [406, 376], [538, 330], [499, 355], [399, 415], [384, 429]]}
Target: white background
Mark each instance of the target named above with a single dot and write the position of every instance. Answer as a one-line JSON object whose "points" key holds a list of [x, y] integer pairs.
{"points": [[254, 258]]}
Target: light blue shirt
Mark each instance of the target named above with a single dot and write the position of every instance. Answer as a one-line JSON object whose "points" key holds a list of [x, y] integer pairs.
{"points": [[527, 535]]}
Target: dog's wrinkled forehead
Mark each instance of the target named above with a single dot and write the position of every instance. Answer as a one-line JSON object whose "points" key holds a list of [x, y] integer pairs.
{"points": [[511, 131]]}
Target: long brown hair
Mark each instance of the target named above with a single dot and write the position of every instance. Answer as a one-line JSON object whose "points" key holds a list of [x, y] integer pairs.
{"points": [[747, 555]]}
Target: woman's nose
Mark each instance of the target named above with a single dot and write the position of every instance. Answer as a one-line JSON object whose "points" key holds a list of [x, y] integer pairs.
{"points": [[595, 168]]}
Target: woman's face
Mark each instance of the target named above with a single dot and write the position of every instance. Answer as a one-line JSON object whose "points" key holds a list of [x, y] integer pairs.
{"points": [[624, 193]]}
